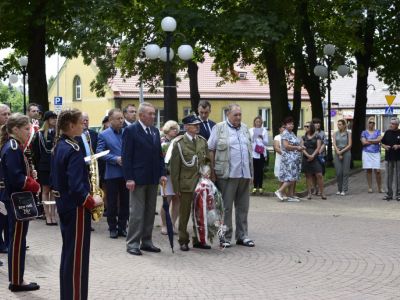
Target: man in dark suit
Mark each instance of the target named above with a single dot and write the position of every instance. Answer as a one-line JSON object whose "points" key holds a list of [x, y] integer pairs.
{"points": [[111, 139], [129, 114], [88, 140], [204, 110], [143, 167]]}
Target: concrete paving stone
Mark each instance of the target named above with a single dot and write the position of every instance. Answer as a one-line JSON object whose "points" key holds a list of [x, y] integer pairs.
{"points": [[343, 248]]}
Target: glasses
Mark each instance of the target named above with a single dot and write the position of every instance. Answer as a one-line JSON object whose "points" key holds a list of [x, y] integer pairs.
{"points": [[371, 122], [306, 126]]}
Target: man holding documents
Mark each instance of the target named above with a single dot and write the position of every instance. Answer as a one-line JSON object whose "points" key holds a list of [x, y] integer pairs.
{"points": [[111, 139]]}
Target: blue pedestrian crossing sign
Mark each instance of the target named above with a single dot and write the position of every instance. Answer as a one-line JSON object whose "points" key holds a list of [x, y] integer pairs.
{"points": [[57, 100], [389, 110]]}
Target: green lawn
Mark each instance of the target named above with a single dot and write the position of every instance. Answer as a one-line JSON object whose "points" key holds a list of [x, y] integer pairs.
{"points": [[271, 184]]}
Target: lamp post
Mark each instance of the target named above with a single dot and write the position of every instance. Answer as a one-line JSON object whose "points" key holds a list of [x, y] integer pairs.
{"points": [[166, 54], [325, 72], [13, 78]]}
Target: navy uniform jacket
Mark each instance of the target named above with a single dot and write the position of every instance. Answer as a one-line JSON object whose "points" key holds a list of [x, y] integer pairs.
{"points": [[42, 147], [14, 168], [69, 175], [142, 158]]}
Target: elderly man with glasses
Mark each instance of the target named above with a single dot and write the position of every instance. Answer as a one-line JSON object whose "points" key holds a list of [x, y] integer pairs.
{"points": [[391, 143]]}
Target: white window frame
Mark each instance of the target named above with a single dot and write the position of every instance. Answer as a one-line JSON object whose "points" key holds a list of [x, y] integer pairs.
{"points": [[186, 111], [77, 88], [159, 117], [301, 119], [224, 112], [265, 113]]}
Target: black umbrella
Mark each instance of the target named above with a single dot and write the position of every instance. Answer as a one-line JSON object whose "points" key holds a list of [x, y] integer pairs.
{"points": [[170, 229]]}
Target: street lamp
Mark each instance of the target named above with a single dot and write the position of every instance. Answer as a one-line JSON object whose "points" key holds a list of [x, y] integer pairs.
{"points": [[325, 72], [166, 54], [23, 63]]}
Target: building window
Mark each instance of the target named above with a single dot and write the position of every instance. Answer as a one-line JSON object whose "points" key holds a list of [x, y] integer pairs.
{"points": [[224, 112], [264, 113], [77, 89], [159, 118], [186, 111], [301, 119]]}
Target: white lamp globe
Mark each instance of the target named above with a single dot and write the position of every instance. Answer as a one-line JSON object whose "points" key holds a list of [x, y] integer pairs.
{"points": [[321, 71], [23, 61], [168, 24], [13, 78], [163, 54], [329, 49], [343, 70], [185, 52], [152, 51]]}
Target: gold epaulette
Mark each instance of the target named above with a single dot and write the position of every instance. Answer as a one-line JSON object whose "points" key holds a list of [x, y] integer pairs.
{"points": [[73, 144]]}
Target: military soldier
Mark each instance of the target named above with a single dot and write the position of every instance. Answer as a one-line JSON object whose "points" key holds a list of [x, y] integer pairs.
{"points": [[71, 189], [189, 152]]}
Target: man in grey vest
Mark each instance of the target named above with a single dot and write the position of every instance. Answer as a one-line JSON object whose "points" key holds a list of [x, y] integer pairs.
{"points": [[232, 165]]}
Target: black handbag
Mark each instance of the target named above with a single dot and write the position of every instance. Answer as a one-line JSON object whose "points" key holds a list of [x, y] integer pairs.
{"points": [[24, 205]]}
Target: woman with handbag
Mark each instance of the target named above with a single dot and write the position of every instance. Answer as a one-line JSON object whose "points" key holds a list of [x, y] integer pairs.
{"points": [[259, 138], [342, 144], [42, 147], [71, 188], [18, 178]]}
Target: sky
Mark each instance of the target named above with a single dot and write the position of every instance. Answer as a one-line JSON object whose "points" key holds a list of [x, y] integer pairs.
{"points": [[51, 62]]}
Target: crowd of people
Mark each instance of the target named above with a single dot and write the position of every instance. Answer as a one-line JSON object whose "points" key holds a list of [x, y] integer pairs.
{"points": [[44, 154]]}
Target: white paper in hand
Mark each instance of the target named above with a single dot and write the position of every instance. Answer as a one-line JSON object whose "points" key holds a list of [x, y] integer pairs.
{"points": [[3, 209]]}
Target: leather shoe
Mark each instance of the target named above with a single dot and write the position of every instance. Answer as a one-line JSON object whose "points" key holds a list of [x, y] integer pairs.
{"points": [[201, 246], [1, 263], [134, 251], [33, 286], [122, 233], [113, 234], [185, 247], [150, 249]]}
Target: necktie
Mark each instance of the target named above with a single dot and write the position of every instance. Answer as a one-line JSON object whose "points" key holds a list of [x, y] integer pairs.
{"points": [[206, 127], [148, 130], [86, 144]]}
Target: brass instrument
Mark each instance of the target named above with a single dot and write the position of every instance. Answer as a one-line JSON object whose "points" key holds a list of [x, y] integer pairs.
{"points": [[95, 189]]}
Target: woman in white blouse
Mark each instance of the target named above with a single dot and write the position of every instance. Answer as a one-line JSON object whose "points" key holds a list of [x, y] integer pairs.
{"points": [[259, 138]]}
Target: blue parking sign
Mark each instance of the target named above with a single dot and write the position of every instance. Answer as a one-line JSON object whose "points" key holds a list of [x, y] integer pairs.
{"points": [[57, 100]]}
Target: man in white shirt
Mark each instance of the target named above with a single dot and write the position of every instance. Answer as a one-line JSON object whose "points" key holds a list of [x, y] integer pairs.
{"points": [[129, 114], [231, 160]]}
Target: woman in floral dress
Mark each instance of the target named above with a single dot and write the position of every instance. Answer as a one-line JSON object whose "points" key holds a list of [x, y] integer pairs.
{"points": [[290, 168]]}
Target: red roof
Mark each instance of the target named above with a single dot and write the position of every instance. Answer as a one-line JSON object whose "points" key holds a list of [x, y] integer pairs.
{"points": [[249, 88]]}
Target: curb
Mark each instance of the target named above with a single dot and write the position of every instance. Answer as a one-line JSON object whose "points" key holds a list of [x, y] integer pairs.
{"points": [[305, 193]]}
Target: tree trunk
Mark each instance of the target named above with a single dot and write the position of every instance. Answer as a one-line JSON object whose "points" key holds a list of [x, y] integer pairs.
{"points": [[296, 98], [363, 59], [194, 85], [306, 66], [277, 87], [37, 66]]}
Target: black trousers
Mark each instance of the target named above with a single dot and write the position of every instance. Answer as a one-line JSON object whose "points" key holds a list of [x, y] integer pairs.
{"points": [[4, 241], [258, 164], [116, 190], [74, 270]]}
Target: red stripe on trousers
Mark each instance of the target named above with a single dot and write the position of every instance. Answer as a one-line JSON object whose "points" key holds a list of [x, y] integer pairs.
{"points": [[16, 253], [78, 252]]}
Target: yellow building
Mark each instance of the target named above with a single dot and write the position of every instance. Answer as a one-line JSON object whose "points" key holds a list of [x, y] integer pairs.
{"points": [[74, 80]]}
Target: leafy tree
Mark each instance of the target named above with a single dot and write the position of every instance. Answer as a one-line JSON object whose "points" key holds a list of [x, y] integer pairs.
{"points": [[12, 97]]}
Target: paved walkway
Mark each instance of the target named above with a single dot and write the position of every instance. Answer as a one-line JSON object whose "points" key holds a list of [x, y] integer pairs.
{"points": [[343, 248]]}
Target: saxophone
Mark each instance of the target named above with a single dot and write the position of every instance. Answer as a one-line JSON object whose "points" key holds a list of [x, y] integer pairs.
{"points": [[95, 189], [94, 179]]}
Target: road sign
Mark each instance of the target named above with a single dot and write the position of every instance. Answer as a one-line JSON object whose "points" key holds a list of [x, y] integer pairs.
{"points": [[57, 109], [390, 99], [58, 100], [389, 110]]}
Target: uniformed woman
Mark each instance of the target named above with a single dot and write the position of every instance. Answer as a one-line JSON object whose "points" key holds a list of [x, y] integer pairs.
{"points": [[71, 188], [17, 178]]}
